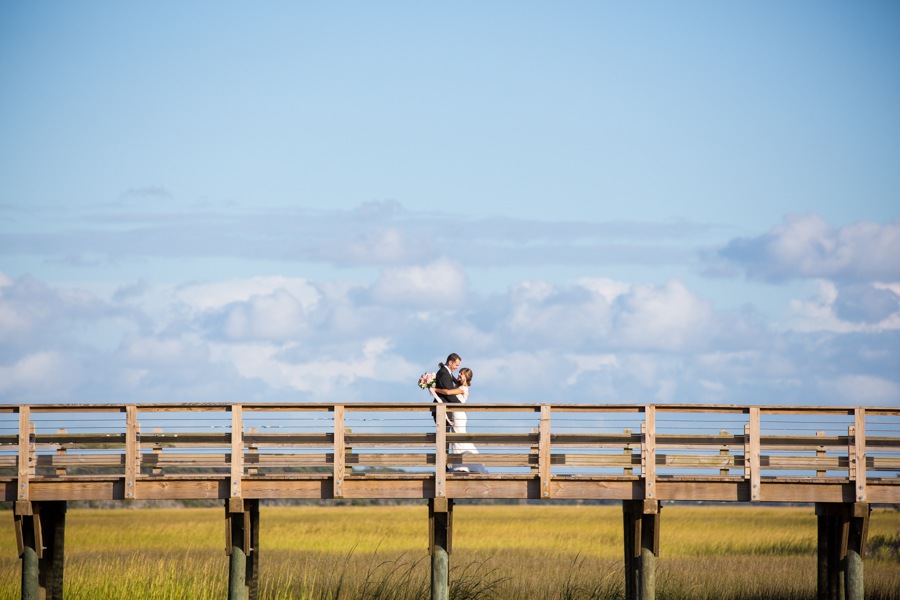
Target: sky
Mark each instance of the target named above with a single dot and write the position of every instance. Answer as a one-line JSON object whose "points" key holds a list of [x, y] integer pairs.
{"points": [[589, 202]]}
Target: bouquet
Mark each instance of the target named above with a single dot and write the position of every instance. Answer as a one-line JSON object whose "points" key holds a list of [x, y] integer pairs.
{"points": [[427, 381]]}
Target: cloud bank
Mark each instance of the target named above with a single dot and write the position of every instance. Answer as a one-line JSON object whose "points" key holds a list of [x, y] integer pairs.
{"points": [[806, 246], [288, 339], [591, 339]]}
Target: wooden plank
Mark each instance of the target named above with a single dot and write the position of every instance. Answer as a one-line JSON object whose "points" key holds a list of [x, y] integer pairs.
{"points": [[648, 451], [273, 440], [339, 452], [755, 492], [26, 454], [20, 534], [860, 451], [237, 451], [132, 455], [544, 452], [575, 460], [319, 486], [440, 451]]}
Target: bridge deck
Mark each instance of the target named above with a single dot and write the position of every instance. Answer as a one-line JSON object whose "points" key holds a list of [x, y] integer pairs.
{"points": [[393, 450]]}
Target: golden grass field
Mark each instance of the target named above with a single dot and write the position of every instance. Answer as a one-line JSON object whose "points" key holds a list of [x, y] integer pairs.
{"points": [[504, 552]]}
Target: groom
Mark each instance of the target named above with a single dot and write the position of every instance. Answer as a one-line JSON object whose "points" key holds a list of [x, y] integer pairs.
{"points": [[444, 377]]}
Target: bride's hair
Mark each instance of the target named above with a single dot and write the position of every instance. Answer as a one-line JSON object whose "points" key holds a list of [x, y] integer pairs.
{"points": [[467, 373]]}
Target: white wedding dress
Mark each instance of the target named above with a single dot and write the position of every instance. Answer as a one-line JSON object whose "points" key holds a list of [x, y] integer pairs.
{"points": [[460, 419]]}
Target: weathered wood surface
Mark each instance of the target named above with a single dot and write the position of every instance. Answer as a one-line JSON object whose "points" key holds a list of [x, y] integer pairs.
{"points": [[548, 458]]}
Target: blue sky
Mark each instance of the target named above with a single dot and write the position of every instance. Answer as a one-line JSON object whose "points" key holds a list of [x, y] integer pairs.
{"points": [[590, 202]]}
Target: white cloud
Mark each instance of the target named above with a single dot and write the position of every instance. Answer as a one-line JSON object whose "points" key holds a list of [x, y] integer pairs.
{"points": [[822, 312], [668, 317], [31, 311], [373, 361], [587, 363], [441, 284], [595, 340], [277, 316], [207, 296], [608, 288], [160, 352], [861, 390], [39, 376], [377, 233], [806, 246]]}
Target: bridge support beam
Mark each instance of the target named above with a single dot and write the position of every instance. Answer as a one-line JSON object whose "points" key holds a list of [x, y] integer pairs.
{"points": [[40, 536], [843, 532], [640, 520], [440, 533], [242, 546]]}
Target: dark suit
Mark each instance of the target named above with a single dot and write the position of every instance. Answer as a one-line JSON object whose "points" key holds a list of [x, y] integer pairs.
{"points": [[446, 381]]}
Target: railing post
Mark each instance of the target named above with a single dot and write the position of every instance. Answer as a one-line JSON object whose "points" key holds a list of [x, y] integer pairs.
{"points": [[132, 454], [27, 524], [628, 452], [235, 499], [859, 418], [61, 451], [648, 452], [820, 453], [236, 526], [440, 451], [339, 451], [157, 454], [253, 452], [751, 448], [26, 460], [544, 452], [724, 452]]}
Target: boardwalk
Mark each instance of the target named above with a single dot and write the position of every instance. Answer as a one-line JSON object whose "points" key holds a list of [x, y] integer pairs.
{"points": [[842, 459]]}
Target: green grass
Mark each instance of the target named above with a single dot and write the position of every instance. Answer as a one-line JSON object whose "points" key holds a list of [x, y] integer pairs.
{"points": [[501, 553]]}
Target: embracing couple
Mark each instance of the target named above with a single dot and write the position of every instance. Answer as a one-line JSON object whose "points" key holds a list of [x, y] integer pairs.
{"points": [[452, 390]]}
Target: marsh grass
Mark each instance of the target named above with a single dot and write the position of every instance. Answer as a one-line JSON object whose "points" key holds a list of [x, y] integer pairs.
{"points": [[502, 553]]}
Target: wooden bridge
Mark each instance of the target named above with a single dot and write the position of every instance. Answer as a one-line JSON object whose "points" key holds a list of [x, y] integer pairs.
{"points": [[841, 458]]}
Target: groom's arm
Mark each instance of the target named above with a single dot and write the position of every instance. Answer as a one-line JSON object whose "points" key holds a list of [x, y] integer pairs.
{"points": [[445, 382]]}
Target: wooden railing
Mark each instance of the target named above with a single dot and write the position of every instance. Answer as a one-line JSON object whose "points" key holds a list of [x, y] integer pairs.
{"points": [[391, 450]]}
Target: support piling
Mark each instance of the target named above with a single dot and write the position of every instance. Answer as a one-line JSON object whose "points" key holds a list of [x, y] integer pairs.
{"points": [[843, 531], [29, 556], [52, 517], [440, 521], [242, 531], [641, 524]]}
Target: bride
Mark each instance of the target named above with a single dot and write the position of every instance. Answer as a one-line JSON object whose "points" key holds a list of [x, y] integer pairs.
{"points": [[459, 420]]}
